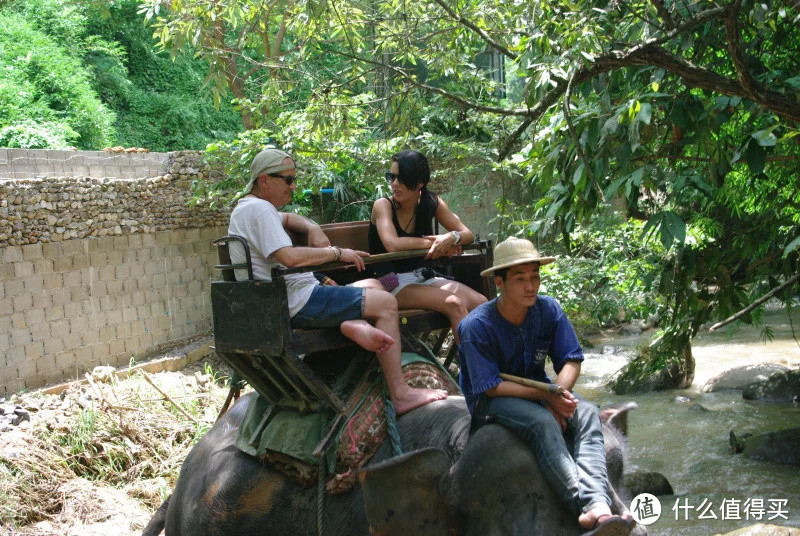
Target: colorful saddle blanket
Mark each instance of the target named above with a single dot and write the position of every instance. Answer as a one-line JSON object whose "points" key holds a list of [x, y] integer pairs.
{"points": [[289, 438]]}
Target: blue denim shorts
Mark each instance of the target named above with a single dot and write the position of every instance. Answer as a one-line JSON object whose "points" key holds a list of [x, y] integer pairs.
{"points": [[329, 306]]}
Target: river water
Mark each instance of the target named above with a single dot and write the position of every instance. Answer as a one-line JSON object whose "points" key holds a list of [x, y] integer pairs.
{"points": [[690, 445]]}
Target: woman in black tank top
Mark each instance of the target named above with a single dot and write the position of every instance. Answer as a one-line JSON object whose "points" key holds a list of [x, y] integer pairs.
{"points": [[404, 221]]}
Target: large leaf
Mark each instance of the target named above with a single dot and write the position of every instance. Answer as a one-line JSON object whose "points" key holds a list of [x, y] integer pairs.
{"points": [[756, 157], [673, 229], [765, 138], [792, 246]]}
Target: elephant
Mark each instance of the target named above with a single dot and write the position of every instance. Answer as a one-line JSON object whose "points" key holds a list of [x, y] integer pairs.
{"points": [[448, 482]]}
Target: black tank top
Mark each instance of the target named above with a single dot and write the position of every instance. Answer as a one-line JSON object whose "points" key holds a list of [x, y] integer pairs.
{"points": [[423, 225]]}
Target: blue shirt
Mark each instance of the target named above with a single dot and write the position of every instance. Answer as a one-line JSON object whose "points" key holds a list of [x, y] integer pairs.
{"points": [[490, 344]]}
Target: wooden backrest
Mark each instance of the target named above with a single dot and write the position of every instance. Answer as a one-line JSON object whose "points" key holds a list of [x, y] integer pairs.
{"points": [[348, 234], [224, 256]]}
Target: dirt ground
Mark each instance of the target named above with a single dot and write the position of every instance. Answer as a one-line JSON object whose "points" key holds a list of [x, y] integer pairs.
{"points": [[99, 457]]}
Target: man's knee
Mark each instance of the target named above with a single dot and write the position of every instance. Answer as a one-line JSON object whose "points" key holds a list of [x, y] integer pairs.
{"points": [[379, 303]]}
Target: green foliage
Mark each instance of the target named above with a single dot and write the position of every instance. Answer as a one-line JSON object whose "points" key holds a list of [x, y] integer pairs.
{"points": [[28, 134], [337, 152], [655, 108], [45, 94], [159, 101], [86, 74]]}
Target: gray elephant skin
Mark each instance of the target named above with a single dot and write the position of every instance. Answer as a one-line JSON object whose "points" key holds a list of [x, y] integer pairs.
{"points": [[447, 483]]}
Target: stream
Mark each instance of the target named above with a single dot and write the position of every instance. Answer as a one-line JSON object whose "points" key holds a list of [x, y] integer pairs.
{"points": [[690, 445]]}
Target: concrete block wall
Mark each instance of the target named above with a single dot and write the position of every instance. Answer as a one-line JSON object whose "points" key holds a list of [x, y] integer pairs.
{"points": [[66, 307], [44, 163]]}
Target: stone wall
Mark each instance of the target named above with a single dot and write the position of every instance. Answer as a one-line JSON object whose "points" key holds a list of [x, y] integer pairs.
{"points": [[39, 164], [100, 270]]}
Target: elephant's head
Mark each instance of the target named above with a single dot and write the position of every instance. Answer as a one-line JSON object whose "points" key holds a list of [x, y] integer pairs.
{"points": [[494, 488]]}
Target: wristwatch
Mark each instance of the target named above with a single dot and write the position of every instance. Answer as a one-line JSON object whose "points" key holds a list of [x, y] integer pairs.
{"points": [[457, 236]]}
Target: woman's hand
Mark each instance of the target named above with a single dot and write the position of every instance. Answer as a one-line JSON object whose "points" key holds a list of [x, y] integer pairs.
{"points": [[353, 256], [443, 246]]}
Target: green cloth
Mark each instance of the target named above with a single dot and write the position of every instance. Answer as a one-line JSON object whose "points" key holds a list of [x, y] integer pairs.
{"points": [[287, 432], [290, 432]]}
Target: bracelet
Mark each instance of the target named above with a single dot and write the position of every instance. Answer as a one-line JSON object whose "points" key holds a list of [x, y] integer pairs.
{"points": [[337, 253], [457, 237]]}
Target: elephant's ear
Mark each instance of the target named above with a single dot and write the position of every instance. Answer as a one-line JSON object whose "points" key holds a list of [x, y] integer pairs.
{"points": [[402, 495]]}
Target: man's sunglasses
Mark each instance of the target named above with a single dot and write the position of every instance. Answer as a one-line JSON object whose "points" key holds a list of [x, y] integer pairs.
{"points": [[288, 179], [391, 177]]}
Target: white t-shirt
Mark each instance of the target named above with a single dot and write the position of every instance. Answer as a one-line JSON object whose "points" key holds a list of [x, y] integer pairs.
{"points": [[260, 223]]}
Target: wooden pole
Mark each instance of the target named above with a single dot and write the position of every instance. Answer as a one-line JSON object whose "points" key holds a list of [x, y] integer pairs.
{"points": [[549, 387]]}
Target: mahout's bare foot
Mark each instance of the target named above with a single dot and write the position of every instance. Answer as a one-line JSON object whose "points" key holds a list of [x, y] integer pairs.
{"points": [[366, 335], [601, 522], [414, 398], [588, 520]]}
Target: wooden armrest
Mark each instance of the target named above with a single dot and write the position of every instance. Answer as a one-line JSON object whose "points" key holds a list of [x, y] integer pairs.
{"points": [[372, 259]]}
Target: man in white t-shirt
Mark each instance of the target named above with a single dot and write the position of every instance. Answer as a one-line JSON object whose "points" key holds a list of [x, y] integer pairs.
{"points": [[311, 305]]}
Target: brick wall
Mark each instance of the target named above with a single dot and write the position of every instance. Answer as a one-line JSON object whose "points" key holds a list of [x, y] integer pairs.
{"points": [[102, 259], [68, 306]]}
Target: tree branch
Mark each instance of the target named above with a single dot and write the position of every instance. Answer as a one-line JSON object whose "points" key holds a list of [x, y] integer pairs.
{"points": [[482, 33], [663, 13], [576, 139], [789, 282], [505, 149], [736, 52], [519, 112]]}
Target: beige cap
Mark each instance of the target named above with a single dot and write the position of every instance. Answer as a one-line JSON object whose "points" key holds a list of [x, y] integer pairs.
{"points": [[513, 251], [267, 161]]}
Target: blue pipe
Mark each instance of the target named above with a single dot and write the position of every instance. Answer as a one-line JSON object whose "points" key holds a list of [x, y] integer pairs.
{"points": [[321, 190]]}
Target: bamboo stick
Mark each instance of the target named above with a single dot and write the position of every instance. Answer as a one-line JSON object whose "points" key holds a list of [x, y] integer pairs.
{"points": [[549, 387]]}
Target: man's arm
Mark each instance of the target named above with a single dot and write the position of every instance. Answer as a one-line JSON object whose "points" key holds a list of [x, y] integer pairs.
{"points": [[569, 374], [296, 256], [299, 224]]}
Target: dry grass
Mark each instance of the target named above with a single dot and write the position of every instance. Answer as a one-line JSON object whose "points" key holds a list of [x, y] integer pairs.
{"points": [[122, 433]]}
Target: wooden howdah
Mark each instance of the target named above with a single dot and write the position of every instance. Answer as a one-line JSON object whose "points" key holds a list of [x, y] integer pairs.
{"points": [[252, 332]]}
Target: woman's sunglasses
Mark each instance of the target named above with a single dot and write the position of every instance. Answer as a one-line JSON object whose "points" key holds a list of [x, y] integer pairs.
{"points": [[391, 177]]}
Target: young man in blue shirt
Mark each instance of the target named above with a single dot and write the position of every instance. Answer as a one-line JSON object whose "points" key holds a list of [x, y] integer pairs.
{"points": [[514, 334]]}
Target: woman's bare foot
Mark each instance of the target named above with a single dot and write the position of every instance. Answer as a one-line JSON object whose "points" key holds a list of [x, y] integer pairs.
{"points": [[366, 335], [413, 398]]}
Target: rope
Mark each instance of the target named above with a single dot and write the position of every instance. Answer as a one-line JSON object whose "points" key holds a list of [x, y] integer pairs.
{"points": [[237, 383], [391, 422], [320, 495]]}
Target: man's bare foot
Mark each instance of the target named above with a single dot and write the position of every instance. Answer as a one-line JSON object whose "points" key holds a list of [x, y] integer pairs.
{"points": [[414, 398], [366, 335]]}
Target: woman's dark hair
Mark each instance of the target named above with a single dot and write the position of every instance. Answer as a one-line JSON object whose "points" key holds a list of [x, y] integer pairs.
{"points": [[412, 169]]}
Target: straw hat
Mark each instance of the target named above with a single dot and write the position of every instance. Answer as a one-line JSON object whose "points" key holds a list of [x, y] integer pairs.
{"points": [[513, 251]]}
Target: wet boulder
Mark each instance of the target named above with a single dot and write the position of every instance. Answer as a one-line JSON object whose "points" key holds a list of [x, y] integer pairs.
{"points": [[763, 529], [782, 446], [780, 387], [741, 377], [650, 482]]}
